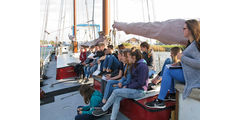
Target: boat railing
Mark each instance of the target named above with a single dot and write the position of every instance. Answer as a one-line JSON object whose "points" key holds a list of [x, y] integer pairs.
{"points": [[44, 63]]}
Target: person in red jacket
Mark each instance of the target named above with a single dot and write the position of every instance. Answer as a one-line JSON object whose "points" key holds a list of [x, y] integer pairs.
{"points": [[83, 55], [79, 67]]}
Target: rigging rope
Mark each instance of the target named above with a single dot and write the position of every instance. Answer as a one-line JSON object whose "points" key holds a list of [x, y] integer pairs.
{"points": [[93, 20], [148, 17], [59, 24], [114, 31], [62, 30], [148, 11], [44, 28], [153, 9], [143, 11], [45, 31], [88, 20]]}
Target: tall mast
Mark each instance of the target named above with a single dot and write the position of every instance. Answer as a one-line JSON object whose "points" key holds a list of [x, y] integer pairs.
{"points": [[106, 17], [75, 28]]}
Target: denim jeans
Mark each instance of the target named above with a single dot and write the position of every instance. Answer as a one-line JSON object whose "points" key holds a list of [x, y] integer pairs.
{"points": [[101, 65], [86, 71], [111, 62], [93, 69], [105, 63], [109, 88], [167, 61], [169, 75], [117, 96]]}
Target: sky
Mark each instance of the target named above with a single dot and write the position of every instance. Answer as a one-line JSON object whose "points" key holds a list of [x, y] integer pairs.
{"points": [[121, 11]]}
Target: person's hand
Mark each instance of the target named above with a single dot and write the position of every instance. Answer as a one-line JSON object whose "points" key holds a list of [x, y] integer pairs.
{"points": [[176, 64], [102, 58], [120, 85], [108, 70], [98, 61], [84, 63], [79, 109], [80, 112], [154, 81], [114, 85], [124, 86], [108, 76], [91, 64], [179, 56], [114, 26]]}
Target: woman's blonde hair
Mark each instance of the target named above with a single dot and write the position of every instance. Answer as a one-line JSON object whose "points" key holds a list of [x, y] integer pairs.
{"points": [[125, 51]]}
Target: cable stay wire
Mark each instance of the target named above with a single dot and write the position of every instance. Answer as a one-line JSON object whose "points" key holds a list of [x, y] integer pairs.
{"points": [[88, 20], [44, 29], [94, 32]]}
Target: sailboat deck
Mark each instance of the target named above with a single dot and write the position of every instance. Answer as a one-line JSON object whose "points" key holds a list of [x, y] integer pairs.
{"points": [[65, 98]]}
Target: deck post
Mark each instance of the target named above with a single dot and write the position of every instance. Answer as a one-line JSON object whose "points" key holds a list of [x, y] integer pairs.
{"points": [[75, 28]]}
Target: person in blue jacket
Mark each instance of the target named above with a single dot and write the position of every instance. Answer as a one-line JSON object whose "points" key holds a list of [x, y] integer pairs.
{"points": [[135, 89], [115, 84], [91, 97]]}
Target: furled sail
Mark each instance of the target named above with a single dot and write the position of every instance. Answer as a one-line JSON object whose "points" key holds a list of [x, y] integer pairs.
{"points": [[167, 32], [101, 38]]}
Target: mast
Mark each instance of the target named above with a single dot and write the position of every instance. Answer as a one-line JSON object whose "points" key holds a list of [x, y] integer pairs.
{"points": [[106, 18], [75, 28]]}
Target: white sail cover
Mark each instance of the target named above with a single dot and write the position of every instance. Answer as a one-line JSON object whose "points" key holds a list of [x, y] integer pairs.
{"points": [[167, 32]]}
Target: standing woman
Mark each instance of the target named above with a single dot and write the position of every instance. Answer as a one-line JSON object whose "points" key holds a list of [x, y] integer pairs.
{"points": [[135, 89], [190, 62]]}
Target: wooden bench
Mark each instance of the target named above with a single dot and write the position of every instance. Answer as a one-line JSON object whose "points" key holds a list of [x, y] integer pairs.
{"points": [[188, 109], [135, 109]]}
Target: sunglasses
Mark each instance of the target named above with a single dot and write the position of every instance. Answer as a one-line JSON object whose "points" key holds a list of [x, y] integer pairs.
{"points": [[184, 28]]}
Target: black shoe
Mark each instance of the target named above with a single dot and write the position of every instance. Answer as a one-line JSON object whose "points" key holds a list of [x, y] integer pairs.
{"points": [[102, 73], [99, 112], [86, 80], [97, 108], [109, 112], [170, 97], [150, 86], [156, 104], [77, 78], [151, 76]]}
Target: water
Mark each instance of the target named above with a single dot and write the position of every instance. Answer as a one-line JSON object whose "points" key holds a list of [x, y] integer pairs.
{"points": [[159, 58], [44, 51]]}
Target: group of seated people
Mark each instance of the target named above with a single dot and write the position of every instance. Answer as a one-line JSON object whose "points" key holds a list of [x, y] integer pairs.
{"points": [[127, 73], [120, 71]]}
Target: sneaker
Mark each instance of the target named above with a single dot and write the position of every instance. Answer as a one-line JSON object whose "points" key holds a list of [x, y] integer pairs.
{"points": [[99, 112], [86, 80], [150, 86], [97, 108], [109, 112], [170, 97], [77, 78], [156, 104], [102, 73]]}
